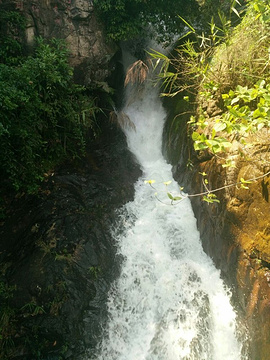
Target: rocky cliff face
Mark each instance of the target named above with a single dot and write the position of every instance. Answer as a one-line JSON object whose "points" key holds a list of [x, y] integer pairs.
{"points": [[58, 257], [234, 232], [76, 22]]}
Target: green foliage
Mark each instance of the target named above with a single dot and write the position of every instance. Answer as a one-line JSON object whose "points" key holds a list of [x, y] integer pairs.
{"points": [[27, 337], [44, 116], [9, 316], [94, 271], [12, 25], [188, 68], [229, 67], [247, 110], [6, 319], [208, 195], [32, 309], [128, 19], [244, 58]]}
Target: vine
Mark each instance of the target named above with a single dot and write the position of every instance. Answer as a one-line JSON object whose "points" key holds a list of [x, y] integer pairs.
{"points": [[208, 195]]}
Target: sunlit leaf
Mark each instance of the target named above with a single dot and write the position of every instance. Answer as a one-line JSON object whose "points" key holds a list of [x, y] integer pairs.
{"points": [[191, 28], [220, 126], [177, 198], [195, 136], [149, 181], [244, 187], [235, 11], [243, 181], [167, 183]]}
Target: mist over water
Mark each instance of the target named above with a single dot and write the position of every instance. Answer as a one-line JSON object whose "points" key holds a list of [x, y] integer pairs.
{"points": [[169, 302]]}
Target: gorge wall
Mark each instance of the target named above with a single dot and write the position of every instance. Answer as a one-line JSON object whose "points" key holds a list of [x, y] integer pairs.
{"points": [[56, 253], [234, 232], [57, 257], [74, 21]]}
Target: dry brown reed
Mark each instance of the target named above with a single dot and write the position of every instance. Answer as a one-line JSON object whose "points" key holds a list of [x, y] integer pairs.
{"points": [[137, 73]]}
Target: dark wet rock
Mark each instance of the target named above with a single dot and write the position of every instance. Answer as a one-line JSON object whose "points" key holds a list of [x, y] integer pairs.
{"points": [[58, 255]]}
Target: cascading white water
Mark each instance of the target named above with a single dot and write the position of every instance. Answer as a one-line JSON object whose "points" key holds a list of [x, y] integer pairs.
{"points": [[169, 302]]}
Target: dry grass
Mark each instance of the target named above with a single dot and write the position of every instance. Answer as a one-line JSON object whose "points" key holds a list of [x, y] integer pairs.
{"points": [[245, 60], [137, 73]]}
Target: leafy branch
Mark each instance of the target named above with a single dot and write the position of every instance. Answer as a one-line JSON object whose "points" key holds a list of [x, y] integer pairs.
{"points": [[208, 195]]}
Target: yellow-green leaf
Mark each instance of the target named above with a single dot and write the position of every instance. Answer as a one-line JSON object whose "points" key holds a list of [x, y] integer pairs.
{"points": [[149, 181], [167, 183]]}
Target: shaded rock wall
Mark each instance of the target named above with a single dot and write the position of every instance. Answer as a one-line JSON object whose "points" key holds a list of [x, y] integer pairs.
{"points": [[58, 255], [76, 22], [234, 232]]}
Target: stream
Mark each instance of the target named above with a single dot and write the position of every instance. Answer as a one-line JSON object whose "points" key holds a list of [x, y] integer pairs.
{"points": [[169, 302]]}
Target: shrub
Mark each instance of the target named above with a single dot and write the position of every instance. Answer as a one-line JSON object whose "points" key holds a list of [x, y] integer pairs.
{"points": [[12, 26], [128, 19], [229, 67], [44, 116]]}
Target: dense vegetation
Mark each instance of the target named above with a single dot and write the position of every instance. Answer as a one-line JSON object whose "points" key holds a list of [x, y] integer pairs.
{"points": [[230, 67], [128, 19], [44, 116]]}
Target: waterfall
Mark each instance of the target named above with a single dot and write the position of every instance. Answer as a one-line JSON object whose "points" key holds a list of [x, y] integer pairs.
{"points": [[169, 302]]}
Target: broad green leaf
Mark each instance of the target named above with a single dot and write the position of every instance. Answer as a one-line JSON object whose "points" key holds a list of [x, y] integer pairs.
{"points": [[196, 136], [219, 126], [212, 142], [235, 100], [226, 144], [177, 198], [200, 146], [216, 148]]}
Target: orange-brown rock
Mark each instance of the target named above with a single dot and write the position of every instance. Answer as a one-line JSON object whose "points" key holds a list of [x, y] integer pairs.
{"points": [[235, 232]]}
